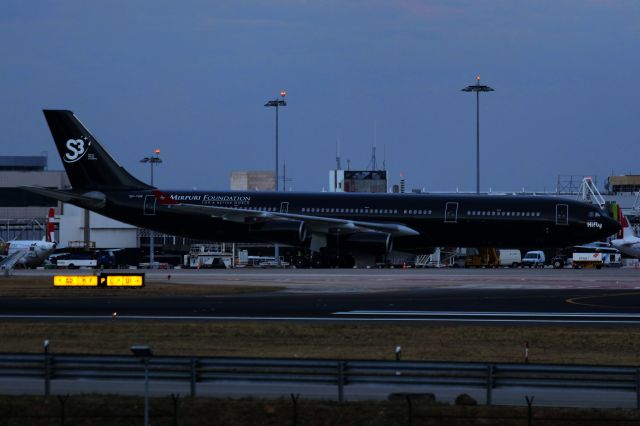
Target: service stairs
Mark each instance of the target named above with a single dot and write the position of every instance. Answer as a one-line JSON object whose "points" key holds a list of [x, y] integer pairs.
{"points": [[437, 259]]}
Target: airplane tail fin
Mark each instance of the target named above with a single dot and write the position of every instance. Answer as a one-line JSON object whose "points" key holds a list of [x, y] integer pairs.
{"points": [[51, 227], [627, 229], [88, 165]]}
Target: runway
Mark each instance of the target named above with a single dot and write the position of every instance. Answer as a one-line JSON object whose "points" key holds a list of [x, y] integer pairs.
{"points": [[425, 296], [605, 298]]}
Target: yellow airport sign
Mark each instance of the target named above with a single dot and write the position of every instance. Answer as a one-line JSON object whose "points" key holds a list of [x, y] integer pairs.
{"points": [[122, 280], [101, 280], [75, 281]]}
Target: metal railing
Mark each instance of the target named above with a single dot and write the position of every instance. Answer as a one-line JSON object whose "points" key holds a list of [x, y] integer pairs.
{"points": [[339, 373]]}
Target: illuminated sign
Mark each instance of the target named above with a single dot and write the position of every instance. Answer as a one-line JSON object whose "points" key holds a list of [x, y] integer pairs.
{"points": [[122, 280], [75, 281], [102, 280]]}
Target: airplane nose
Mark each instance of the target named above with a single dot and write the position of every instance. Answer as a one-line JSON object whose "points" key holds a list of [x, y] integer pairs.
{"points": [[611, 226]]}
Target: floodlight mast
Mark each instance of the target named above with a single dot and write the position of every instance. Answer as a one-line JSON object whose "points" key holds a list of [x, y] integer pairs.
{"points": [[277, 103], [477, 88]]}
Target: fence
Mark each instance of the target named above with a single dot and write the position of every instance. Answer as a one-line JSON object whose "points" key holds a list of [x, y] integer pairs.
{"points": [[339, 373]]}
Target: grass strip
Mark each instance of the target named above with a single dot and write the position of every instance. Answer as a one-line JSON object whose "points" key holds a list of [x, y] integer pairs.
{"points": [[565, 345]]}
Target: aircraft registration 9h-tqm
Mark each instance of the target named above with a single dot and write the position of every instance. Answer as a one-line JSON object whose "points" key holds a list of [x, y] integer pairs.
{"points": [[370, 223]]}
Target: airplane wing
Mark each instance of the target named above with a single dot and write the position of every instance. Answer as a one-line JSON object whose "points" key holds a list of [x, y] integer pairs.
{"points": [[10, 261], [92, 199], [319, 224]]}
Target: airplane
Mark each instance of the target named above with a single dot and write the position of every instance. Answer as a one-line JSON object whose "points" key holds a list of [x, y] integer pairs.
{"points": [[30, 253], [628, 243], [349, 222]]}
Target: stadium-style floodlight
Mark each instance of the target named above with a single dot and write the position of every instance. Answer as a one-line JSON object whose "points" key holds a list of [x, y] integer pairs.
{"points": [[144, 354], [277, 103], [154, 159], [477, 88]]}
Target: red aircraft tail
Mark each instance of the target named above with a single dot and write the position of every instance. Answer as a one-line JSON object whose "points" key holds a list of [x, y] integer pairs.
{"points": [[51, 226]]}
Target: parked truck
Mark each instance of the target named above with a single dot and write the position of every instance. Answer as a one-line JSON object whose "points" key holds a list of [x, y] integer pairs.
{"points": [[587, 260]]}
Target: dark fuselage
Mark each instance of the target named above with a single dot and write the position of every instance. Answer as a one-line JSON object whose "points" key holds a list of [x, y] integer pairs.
{"points": [[455, 220]]}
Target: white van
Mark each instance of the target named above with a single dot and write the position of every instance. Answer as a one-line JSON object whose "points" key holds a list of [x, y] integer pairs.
{"points": [[510, 258], [533, 259]]}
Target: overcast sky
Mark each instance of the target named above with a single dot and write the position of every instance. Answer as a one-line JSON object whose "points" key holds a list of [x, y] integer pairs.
{"points": [[191, 78]]}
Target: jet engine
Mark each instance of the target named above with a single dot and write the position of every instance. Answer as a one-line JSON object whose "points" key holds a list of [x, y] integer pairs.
{"points": [[370, 242], [285, 231]]}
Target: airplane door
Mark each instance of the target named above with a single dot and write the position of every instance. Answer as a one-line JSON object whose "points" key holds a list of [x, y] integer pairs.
{"points": [[562, 214], [284, 207], [150, 205], [451, 213]]}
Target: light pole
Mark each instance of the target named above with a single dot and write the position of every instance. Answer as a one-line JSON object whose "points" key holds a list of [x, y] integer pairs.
{"points": [[477, 88], [144, 354], [154, 159], [47, 368], [277, 103]]}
